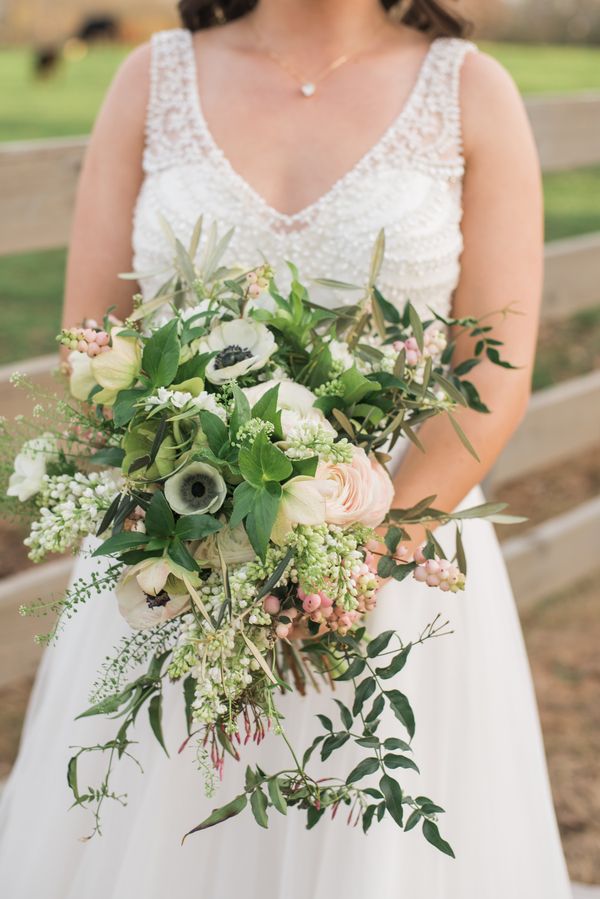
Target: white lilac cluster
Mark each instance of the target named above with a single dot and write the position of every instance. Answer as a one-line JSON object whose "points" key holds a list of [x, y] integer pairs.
{"points": [[332, 557], [250, 430], [183, 401], [72, 507], [311, 438], [219, 659]]}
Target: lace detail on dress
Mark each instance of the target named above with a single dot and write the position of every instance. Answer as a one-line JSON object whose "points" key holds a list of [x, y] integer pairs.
{"points": [[409, 182]]}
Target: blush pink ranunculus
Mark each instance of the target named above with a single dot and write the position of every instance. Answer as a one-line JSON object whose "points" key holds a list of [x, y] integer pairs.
{"points": [[360, 490]]}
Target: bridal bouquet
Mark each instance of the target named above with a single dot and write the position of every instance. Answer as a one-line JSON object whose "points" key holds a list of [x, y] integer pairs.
{"points": [[228, 445]]}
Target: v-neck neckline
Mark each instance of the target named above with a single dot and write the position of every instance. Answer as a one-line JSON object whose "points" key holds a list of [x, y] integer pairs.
{"points": [[337, 186]]}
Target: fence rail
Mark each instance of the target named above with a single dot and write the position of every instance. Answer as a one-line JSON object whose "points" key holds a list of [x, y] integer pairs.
{"points": [[37, 189]]}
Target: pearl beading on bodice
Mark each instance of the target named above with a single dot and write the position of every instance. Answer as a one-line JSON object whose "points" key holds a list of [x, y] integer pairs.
{"points": [[409, 182]]}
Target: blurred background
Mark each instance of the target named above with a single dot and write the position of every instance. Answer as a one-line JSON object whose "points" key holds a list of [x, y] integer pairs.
{"points": [[56, 60]]}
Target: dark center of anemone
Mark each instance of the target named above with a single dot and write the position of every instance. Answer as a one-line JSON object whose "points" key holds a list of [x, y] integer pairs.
{"points": [[199, 490], [231, 355], [158, 601]]}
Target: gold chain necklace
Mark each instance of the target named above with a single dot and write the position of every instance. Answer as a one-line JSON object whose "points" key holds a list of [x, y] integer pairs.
{"points": [[308, 86]]}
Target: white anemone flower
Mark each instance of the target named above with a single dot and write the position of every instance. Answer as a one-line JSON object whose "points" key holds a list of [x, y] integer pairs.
{"points": [[196, 488], [30, 466], [143, 610], [295, 402], [241, 346]]}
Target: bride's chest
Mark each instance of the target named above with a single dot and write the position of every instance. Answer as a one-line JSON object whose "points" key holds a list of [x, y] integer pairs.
{"points": [[419, 208]]}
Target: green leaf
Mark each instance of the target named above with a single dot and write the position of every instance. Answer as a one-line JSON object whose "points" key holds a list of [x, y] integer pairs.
{"points": [[155, 715], [463, 437], [432, 835], [396, 665], [460, 553], [389, 311], [109, 515], [196, 527], [364, 768], [266, 407], [386, 566], [393, 797], [258, 802], [218, 815], [354, 669], [109, 455], [179, 553], [276, 796], [275, 575], [250, 465], [376, 710], [379, 643], [274, 463], [160, 359], [307, 755], [402, 710], [241, 410], [159, 520], [313, 816], [124, 407], [391, 760], [356, 386], [120, 543], [394, 743], [413, 820], [189, 694], [326, 722], [416, 325], [364, 691], [335, 741], [243, 500], [262, 515], [345, 714], [72, 776], [215, 430]]}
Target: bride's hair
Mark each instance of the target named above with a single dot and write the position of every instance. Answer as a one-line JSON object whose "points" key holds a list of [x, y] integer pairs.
{"points": [[424, 15]]}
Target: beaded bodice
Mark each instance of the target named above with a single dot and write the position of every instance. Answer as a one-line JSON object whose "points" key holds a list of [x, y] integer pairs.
{"points": [[409, 182]]}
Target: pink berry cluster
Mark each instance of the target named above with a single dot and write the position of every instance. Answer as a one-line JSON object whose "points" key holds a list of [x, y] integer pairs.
{"points": [[322, 609], [438, 572], [90, 339], [258, 280], [434, 344]]}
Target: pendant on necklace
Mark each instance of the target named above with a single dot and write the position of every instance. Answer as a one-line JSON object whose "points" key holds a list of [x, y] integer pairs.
{"points": [[308, 89]]}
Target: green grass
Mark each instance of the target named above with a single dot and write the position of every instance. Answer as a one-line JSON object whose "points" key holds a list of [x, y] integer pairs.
{"points": [[31, 284]]}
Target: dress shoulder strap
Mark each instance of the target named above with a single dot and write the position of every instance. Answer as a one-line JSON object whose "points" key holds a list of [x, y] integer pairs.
{"points": [[436, 114], [170, 112]]}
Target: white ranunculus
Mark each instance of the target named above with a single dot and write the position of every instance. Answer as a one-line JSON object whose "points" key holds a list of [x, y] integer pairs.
{"points": [[295, 402], [241, 346], [30, 466], [142, 610], [196, 488], [81, 377], [232, 544]]}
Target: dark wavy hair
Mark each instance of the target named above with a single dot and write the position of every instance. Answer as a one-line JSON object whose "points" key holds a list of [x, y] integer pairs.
{"points": [[423, 15]]}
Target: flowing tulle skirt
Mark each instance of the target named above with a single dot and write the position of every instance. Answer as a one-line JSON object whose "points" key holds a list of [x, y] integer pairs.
{"points": [[478, 744]]}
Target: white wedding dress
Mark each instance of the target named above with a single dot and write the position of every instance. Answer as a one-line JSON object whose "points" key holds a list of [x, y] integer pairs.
{"points": [[478, 739]]}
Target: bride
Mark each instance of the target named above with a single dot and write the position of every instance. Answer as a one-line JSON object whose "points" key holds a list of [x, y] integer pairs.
{"points": [[309, 125]]}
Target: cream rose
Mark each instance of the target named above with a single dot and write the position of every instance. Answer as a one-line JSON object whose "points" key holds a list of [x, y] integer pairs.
{"points": [[361, 490]]}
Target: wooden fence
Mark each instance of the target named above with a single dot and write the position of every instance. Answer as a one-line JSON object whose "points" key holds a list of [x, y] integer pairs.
{"points": [[37, 186]]}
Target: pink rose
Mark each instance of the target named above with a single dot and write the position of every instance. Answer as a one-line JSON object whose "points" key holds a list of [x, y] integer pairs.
{"points": [[360, 490]]}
